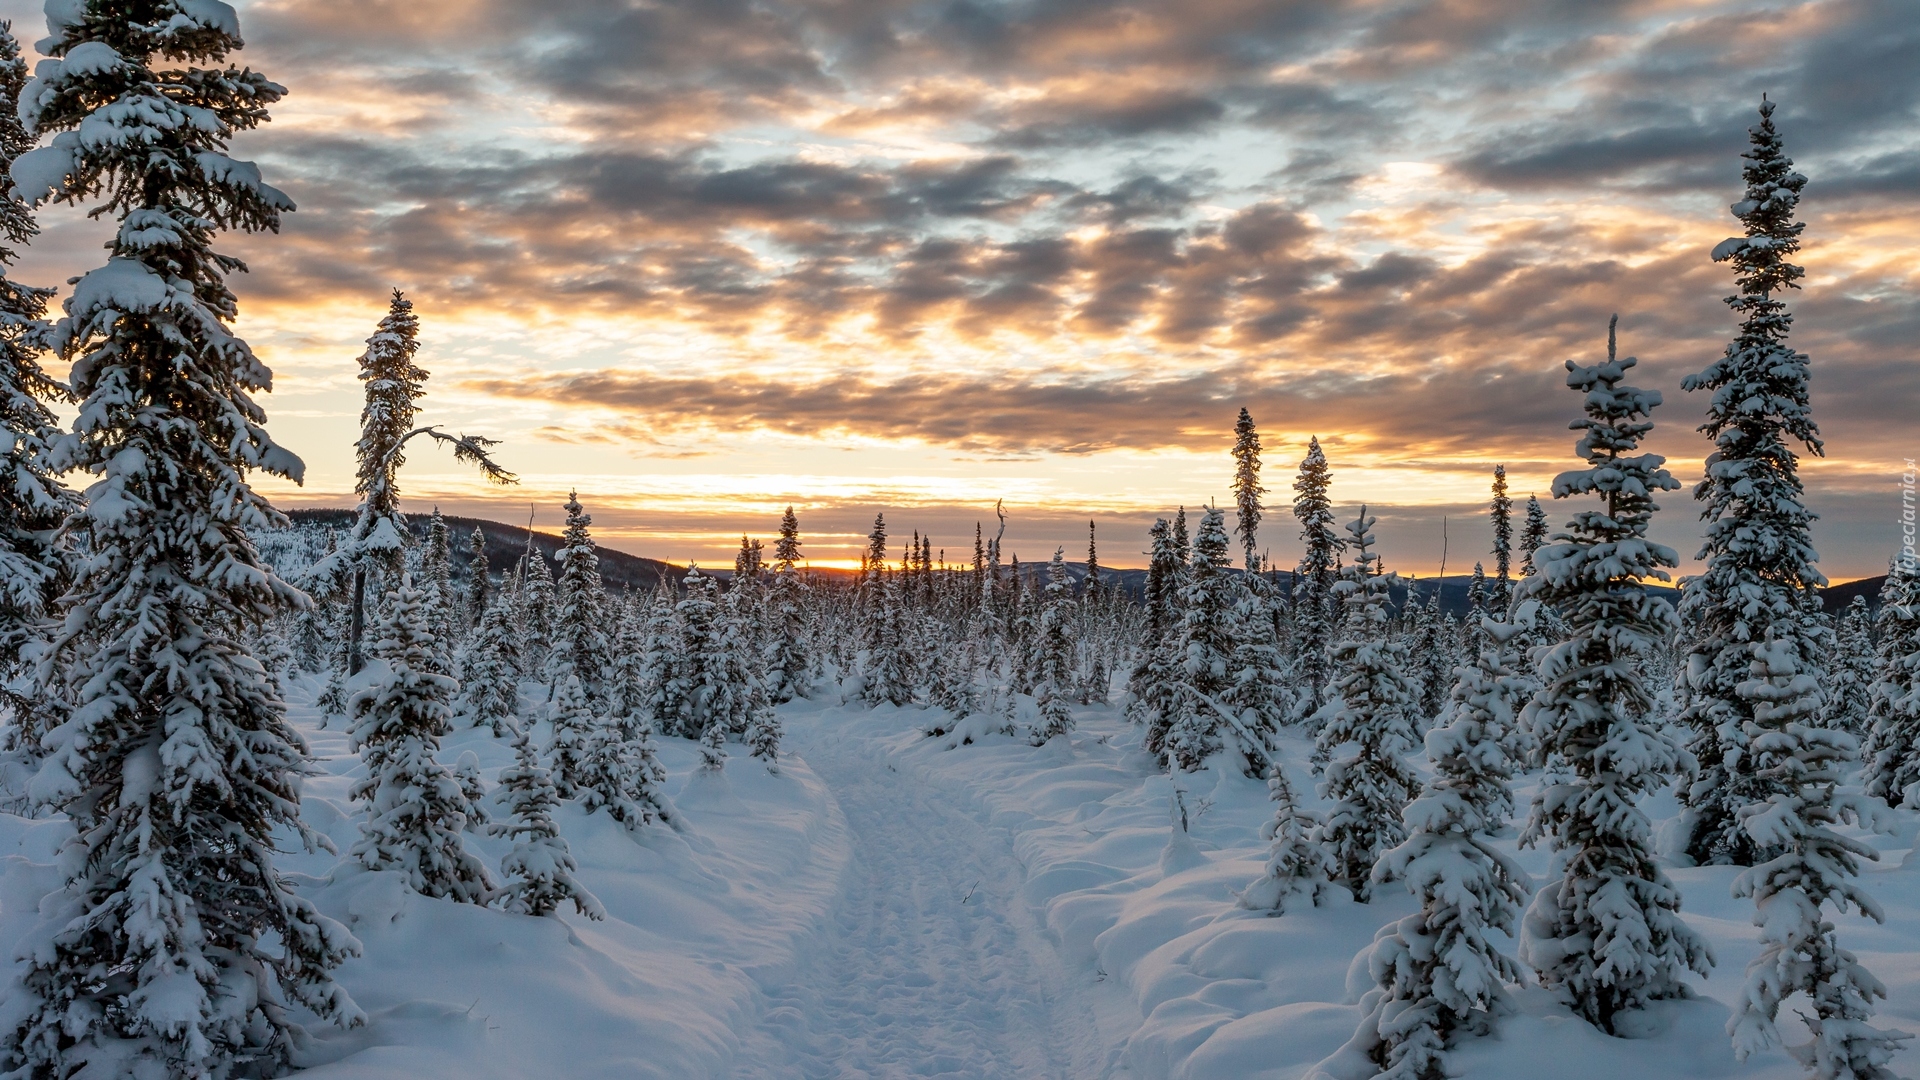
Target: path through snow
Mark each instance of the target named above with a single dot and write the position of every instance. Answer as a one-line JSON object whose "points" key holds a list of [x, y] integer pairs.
{"points": [[933, 966]]}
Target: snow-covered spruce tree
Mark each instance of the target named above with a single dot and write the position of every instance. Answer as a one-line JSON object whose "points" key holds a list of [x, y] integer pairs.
{"points": [[1053, 685], [1313, 607], [1204, 650], [1437, 976], [1607, 933], [892, 672], [662, 703], [1501, 511], [1246, 486], [32, 502], [466, 772], [479, 585], [436, 581], [1373, 783], [580, 644], [1094, 591], [1432, 655], [790, 662], [714, 696], [489, 687], [764, 732], [540, 868], [377, 540], [177, 764], [534, 619], [1850, 676], [416, 810], [1154, 681], [575, 727], [1532, 535], [1800, 952], [616, 770], [1759, 547], [1476, 611], [1893, 716], [1257, 671], [1298, 874]]}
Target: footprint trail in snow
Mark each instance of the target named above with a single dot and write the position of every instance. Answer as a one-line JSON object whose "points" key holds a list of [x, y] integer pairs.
{"points": [[932, 967]]}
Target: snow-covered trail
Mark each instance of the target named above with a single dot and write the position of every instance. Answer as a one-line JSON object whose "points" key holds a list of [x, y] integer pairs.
{"points": [[933, 966]]}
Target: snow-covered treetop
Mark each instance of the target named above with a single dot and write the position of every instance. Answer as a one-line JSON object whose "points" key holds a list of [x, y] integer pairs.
{"points": [[1609, 544], [1772, 196]]}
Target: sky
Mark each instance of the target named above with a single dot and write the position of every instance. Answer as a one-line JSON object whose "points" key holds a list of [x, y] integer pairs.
{"points": [[703, 259]]}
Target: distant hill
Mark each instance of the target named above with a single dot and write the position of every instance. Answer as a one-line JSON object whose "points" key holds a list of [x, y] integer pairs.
{"points": [[507, 543]]}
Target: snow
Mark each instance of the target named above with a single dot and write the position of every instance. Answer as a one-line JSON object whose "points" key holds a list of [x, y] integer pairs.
{"points": [[888, 907], [42, 171]]}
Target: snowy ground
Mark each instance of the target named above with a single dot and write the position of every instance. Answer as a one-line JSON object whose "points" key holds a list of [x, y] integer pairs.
{"points": [[888, 908]]}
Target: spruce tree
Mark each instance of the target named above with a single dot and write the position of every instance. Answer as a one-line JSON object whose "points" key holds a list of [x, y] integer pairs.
{"points": [[1257, 671], [394, 383], [1373, 783], [1055, 676], [1800, 951], [1205, 648], [1246, 487], [1893, 711], [1849, 694], [1759, 548], [32, 501], [891, 672], [1093, 590], [580, 645], [1313, 578], [1501, 510], [436, 582], [1437, 975], [1607, 932], [416, 809], [177, 765], [489, 687], [1154, 681], [1297, 867], [1533, 535], [575, 725], [534, 619], [479, 585], [540, 868]]}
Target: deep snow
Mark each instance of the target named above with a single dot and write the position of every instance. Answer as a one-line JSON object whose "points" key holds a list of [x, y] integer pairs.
{"points": [[885, 907]]}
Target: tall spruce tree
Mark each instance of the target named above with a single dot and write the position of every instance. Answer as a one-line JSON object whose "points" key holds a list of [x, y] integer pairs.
{"points": [[1313, 608], [1607, 932], [176, 948], [1759, 546], [1372, 785], [1246, 487], [1501, 511]]}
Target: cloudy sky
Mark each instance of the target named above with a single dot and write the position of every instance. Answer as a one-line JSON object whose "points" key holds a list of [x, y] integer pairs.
{"points": [[703, 258]]}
